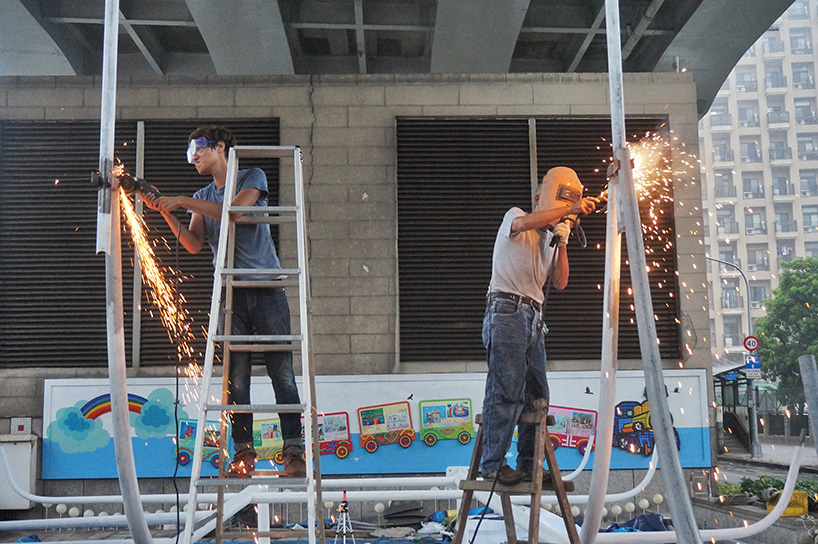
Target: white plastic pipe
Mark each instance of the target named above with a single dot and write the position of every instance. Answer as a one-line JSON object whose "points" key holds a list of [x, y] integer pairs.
{"points": [[577, 471]]}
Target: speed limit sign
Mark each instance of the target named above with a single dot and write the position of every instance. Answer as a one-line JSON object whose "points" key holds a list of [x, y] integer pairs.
{"points": [[751, 343]]}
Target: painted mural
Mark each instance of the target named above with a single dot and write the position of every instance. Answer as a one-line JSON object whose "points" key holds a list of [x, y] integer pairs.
{"points": [[390, 414]]}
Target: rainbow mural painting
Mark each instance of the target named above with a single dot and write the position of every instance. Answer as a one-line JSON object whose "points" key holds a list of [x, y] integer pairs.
{"points": [[101, 405]]}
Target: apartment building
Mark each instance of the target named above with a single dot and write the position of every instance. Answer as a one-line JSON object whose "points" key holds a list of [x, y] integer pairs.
{"points": [[759, 154]]}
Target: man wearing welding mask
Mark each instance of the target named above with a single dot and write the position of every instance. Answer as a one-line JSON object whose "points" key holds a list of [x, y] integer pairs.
{"points": [[528, 248], [263, 310]]}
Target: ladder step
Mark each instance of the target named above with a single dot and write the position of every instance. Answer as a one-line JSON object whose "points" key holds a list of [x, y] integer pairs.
{"points": [[250, 408], [261, 271], [283, 282], [264, 348], [523, 488], [530, 418], [257, 338]]}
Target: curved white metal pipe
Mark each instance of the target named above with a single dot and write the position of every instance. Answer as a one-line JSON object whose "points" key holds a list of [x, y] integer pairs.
{"points": [[608, 366], [118, 520], [581, 467], [613, 497], [717, 535]]}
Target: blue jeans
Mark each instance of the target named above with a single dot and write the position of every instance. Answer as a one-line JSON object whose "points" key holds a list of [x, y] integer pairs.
{"points": [[262, 311], [515, 352]]}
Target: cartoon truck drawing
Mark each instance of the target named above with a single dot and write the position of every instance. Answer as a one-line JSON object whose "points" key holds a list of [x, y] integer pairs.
{"points": [[333, 434], [333, 437], [385, 424], [633, 431], [573, 428], [447, 419], [187, 442]]}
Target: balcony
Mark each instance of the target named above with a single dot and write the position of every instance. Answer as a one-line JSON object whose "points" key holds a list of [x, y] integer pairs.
{"points": [[751, 157], [784, 189], [728, 270], [731, 301], [725, 191], [809, 189], [781, 154], [758, 266], [750, 121], [722, 156], [808, 155], [776, 83], [732, 341], [810, 225], [747, 86], [727, 227], [809, 119], [721, 119], [804, 83], [773, 46], [758, 192], [779, 117], [786, 226], [752, 230], [803, 50]]}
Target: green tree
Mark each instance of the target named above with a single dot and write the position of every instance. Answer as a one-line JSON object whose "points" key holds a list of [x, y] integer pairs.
{"points": [[790, 329]]}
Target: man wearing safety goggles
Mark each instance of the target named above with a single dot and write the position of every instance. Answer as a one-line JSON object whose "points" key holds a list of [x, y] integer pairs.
{"points": [[259, 310]]}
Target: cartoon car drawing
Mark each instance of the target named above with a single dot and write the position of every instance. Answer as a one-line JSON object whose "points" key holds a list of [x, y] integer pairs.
{"points": [[385, 424], [573, 428], [448, 419], [187, 442]]}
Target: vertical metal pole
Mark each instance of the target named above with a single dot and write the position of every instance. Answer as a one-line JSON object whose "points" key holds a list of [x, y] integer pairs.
{"points": [[681, 508], [607, 379], [809, 378], [136, 343], [109, 241]]}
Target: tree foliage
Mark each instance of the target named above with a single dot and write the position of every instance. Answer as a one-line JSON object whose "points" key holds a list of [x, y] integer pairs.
{"points": [[790, 329]]}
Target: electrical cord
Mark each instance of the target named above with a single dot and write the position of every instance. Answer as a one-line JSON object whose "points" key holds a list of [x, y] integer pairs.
{"points": [[176, 404], [482, 514]]}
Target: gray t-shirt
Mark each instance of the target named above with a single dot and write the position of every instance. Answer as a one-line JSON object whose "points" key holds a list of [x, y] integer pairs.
{"points": [[520, 262], [254, 244]]}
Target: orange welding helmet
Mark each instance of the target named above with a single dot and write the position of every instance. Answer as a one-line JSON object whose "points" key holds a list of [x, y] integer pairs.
{"points": [[560, 187]]}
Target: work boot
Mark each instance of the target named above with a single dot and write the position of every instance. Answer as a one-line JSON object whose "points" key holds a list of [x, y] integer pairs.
{"points": [[505, 476], [243, 463], [294, 465]]}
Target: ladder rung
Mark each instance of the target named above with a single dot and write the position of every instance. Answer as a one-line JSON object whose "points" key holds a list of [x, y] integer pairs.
{"points": [[529, 418], [260, 271], [253, 480], [257, 338], [263, 209], [249, 408], [263, 348], [524, 488], [289, 282]]}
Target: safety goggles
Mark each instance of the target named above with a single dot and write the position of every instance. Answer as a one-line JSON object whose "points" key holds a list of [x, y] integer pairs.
{"points": [[195, 145]]}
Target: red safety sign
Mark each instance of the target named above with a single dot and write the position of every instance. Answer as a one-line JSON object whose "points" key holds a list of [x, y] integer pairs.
{"points": [[751, 343]]}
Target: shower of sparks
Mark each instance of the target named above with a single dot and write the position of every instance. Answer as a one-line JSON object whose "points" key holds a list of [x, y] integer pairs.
{"points": [[162, 292]]}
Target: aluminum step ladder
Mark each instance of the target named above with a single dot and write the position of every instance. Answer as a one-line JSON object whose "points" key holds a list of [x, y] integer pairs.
{"points": [[542, 448], [225, 274]]}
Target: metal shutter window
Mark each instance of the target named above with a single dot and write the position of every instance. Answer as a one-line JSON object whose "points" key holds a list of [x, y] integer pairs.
{"points": [[456, 178], [52, 283]]}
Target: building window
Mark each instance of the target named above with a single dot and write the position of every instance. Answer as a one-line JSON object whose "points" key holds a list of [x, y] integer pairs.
{"points": [[754, 222], [810, 218], [811, 249], [786, 250], [809, 182], [757, 258], [800, 41], [753, 187]]}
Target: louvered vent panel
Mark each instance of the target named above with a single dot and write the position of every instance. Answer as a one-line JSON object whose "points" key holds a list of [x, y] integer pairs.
{"points": [[52, 284], [456, 179]]}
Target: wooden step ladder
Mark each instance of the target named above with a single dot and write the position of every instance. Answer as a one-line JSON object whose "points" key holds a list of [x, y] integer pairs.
{"points": [[226, 277], [542, 447]]}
